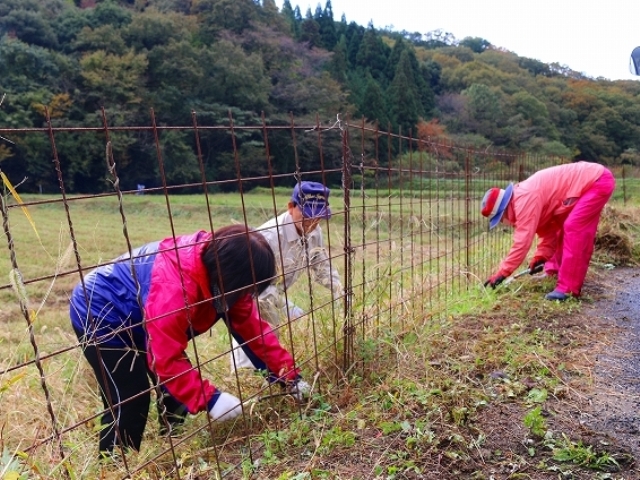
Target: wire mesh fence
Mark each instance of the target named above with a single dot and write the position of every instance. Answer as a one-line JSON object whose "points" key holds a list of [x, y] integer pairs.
{"points": [[405, 237]]}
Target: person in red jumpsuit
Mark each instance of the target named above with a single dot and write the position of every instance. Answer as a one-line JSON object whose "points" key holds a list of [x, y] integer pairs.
{"points": [[562, 206]]}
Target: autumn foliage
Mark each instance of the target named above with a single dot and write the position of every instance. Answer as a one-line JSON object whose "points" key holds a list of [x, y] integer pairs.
{"points": [[432, 137]]}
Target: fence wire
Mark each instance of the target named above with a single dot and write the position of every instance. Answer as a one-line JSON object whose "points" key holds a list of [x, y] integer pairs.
{"points": [[405, 235]]}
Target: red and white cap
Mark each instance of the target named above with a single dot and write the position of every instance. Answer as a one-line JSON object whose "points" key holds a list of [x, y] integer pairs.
{"points": [[495, 202]]}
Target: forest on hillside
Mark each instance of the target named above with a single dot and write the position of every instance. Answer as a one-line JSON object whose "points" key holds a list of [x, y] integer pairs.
{"points": [[249, 60]]}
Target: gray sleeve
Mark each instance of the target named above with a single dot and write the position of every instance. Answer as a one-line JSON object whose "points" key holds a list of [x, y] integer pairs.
{"points": [[323, 271]]}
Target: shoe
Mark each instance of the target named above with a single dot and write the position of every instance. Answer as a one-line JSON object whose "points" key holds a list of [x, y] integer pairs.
{"points": [[556, 295]]}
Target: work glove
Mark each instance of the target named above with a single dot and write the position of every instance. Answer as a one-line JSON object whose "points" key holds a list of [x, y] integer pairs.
{"points": [[495, 280], [295, 311], [226, 407], [300, 390], [537, 264]]}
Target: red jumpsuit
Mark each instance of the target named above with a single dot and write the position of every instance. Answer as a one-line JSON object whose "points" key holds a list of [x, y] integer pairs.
{"points": [[562, 206]]}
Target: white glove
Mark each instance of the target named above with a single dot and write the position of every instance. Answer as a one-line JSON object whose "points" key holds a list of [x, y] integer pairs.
{"points": [[295, 311], [227, 407], [300, 390]]}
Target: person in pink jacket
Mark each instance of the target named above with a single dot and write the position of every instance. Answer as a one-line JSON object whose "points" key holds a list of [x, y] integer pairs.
{"points": [[562, 206], [135, 316]]}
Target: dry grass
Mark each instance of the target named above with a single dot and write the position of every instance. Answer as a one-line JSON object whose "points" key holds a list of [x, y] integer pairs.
{"points": [[616, 232]]}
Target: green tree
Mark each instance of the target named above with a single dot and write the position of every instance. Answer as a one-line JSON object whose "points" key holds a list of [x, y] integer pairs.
{"points": [[394, 58], [25, 68], [427, 81], [373, 53], [106, 38], [30, 27], [7, 6], [476, 44], [432, 72], [551, 148], [339, 64], [109, 13], [177, 79], [293, 71], [179, 6], [68, 24], [289, 16], [403, 97], [82, 156], [179, 159], [354, 35], [328, 35], [484, 108], [439, 38], [34, 157], [269, 15], [535, 114], [630, 156], [535, 67], [218, 15], [235, 78], [114, 79], [593, 145], [310, 31], [373, 106], [152, 28], [341, 26], [297, 15], [419, 75]]}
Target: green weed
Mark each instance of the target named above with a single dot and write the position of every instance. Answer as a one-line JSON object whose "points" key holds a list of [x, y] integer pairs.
{"points": [[568, 451], [274, 444], [535, 422], [12, 467], [336, 437]]}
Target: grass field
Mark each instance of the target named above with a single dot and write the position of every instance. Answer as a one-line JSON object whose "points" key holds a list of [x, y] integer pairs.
{"points": [[414, 265]]}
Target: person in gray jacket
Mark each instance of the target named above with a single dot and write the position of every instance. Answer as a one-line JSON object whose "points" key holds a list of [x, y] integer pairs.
{"points": [[296, 239]]}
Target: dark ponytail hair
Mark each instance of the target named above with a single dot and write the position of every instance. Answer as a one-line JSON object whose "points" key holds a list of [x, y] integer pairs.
{"points": [[240, 258]]}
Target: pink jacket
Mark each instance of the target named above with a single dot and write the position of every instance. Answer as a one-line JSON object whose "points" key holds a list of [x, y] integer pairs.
{"points": [[179, 280], [540, 205]]}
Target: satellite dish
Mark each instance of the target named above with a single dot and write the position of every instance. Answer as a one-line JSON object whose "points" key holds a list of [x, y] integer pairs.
{"points": [[634, 61]]}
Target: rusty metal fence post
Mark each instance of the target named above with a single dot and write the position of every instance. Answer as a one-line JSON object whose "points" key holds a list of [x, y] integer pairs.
{"points": [[467, 218], [624, 186], [348, 325]]}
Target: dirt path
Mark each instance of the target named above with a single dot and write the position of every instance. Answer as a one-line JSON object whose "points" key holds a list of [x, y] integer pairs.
{"points": [[598, 402], [592, 408], [615, 400]]}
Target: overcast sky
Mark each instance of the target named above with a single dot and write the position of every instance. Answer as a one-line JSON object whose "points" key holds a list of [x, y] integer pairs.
{"points": [[593, 37]]}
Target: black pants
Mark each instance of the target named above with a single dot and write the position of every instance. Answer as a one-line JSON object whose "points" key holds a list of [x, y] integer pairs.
{"points": [[123, 376]]}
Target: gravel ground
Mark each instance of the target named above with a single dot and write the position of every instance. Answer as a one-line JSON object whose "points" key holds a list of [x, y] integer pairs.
{"points": [[615, 399]]}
